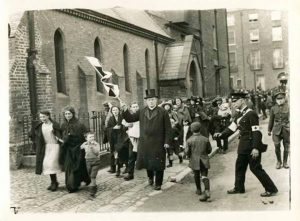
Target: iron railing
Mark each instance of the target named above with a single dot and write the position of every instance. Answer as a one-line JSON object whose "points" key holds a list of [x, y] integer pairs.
{"points": [[93, 121]]}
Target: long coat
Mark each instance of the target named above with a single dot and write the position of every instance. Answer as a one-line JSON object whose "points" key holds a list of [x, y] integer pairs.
{"points": [[155, 129], [37, 137], [118, 139], [72, 156]]}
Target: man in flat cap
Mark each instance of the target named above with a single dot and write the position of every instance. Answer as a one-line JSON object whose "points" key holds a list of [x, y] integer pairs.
{"points": [[155, 133], [279, 125], [250, 147]]}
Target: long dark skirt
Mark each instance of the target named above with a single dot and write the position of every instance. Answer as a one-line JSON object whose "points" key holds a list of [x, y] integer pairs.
{"points": [[74, 164]]}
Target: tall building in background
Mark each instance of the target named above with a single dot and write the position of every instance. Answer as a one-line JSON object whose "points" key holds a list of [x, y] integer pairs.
{"points": [[258, 47]]}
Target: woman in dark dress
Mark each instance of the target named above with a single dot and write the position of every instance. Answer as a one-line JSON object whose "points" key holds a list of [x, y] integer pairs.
{"points": [[72, 156], [118, 138]]}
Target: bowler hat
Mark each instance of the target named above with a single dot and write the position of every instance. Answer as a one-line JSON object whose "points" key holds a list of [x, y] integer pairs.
{"points": [[238, 95], [150, 93]]}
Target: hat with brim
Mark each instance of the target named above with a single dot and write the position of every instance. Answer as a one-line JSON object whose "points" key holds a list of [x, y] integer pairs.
{"points": [[238, 95], [282, 76], [276, 94], [150, 94], [167, 103]]}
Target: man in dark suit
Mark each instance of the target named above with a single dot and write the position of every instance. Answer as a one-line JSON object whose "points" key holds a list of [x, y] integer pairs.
{"points": [[155, 133], [250, 147], [279, 125]]}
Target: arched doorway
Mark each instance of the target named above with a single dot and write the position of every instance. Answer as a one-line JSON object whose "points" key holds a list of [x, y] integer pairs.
{"points": [[194, 80]]}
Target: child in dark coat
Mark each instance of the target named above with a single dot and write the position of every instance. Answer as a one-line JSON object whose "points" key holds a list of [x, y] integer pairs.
{"points": [[175, 142], [198, 148]]}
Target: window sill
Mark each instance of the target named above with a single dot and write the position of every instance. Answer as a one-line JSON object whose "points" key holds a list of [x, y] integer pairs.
{"points": [[100, 93], [62, 95], [276, 68]]}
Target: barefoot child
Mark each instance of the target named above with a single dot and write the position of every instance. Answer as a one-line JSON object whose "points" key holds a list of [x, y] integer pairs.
{"points": [[92, 156], [198, 148]]}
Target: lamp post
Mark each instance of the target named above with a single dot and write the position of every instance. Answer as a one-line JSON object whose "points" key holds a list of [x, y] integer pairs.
{"points": [[251, 67]]}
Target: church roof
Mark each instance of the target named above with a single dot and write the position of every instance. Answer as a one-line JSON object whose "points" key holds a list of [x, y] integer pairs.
{"points": [[14, 21], [176, 60], [136, 17]]}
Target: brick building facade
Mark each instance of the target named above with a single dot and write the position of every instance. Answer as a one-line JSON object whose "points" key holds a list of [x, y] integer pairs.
{"points": [[258, 45], [143, 49]]}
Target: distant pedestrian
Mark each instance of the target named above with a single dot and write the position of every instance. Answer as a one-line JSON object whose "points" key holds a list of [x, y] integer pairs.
{"points": [[279, 125], [198, 148], [92, 157], [47, 136], [219, 121], [182, 112]]}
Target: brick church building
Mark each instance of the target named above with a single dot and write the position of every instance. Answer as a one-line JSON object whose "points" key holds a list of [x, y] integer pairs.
{"points": [[179, 53]]}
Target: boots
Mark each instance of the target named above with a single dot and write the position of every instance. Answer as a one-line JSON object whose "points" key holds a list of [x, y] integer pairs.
{"points": [[278, 156], [170, 163], [54, 184], [118, 173], [206, 195], [180, 159], [112, 169], [285, 158], [93, 191]]}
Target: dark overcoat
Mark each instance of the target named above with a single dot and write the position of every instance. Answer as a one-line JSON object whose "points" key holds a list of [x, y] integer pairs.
{"points": [[118, 138], [72, 156], [37, 137], [155, 129]]}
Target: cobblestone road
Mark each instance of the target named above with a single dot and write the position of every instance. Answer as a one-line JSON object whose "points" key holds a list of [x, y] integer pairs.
{"points": [[28, 191]]}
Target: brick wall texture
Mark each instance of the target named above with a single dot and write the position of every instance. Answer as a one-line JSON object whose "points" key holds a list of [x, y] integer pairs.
{"points": [[78, 41]]}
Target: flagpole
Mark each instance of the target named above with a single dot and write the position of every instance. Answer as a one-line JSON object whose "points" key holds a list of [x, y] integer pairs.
{"points": [[97, 71], [102, 82], [104, 77]]}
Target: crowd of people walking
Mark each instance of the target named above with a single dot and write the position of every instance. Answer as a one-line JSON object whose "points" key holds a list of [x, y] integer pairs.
{"points": [[149, 138]]}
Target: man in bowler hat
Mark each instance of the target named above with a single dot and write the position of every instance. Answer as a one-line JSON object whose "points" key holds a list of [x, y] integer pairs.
{"points": [[155, 129], [250, 147]]}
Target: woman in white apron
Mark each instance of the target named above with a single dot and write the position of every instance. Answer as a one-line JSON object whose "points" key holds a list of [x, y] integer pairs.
{"points": [[47, 135]]}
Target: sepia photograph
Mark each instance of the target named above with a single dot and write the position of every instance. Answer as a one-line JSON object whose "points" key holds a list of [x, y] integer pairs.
{"points": [[136, 110]]}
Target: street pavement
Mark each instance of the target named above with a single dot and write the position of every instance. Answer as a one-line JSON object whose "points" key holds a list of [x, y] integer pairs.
{"points": [[182, 197], [29, 194]]}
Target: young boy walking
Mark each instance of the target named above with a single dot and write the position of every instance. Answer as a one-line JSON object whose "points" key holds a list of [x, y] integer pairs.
{"points": [[198, 148], [92, 156]]}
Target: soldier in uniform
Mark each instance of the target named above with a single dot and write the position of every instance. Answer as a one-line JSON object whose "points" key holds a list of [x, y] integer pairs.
{"points": [[279, 125], [250, 147]]}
